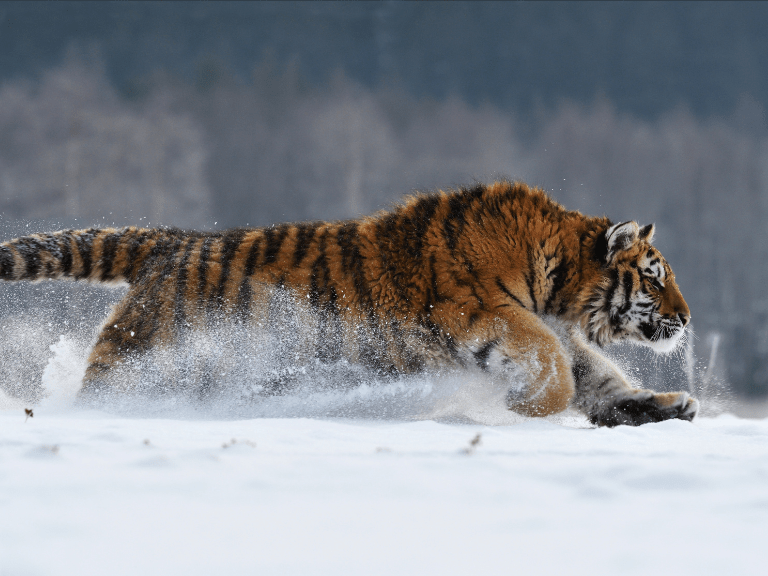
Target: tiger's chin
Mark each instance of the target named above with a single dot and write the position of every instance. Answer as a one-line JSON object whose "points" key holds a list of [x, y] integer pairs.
{"points": [[666, 344]]}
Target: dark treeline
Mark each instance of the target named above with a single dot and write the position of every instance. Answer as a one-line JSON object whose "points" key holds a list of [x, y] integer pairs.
{"points": [[645, 57], [221, 152]]}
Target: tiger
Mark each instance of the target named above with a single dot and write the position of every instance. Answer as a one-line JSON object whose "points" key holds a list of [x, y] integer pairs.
{"points": [[496, 278]]}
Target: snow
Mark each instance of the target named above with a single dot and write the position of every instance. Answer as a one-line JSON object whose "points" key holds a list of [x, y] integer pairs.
{"points": [[90, 492], [381, 478]]}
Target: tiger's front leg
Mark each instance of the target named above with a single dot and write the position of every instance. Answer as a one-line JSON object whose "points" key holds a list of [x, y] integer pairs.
{"points": [[607, 399], [520, 352]]}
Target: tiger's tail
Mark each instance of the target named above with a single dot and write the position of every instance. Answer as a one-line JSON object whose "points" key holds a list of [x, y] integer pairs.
{"points": [[111, 255]]}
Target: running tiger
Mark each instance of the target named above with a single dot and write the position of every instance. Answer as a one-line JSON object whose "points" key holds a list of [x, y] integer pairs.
{"points": [[496, 278]]}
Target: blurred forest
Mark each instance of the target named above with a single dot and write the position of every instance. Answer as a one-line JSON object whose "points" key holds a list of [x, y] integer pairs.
{"points": [[209, 146]]}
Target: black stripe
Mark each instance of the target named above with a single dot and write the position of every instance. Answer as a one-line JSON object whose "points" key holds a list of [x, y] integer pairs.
{"points": [[511, 195], [273, 240], [232, 242], [443, 338], [159, 251], [433, 329], [603, 384], [422, 213], [390, 241], [386, 228], [454, 222], [580, 370], [369, 347], [244, 294], [474, 193], [590, 323], [330, 330], [143, 338], [205, 254], [108, 251], [83, 242], [433, 294], [101, 366], [134, 245], [614, 317], [608, 298], [504, 289], [65, 247], [7, 263], [304, 235], [253, 258], [29, 249], [410, 361], [386, 231], [529, 277], [478, 298], [481, 356], [135, 266], [558, 275], [320, 274], [114, 333], [242, 308], [450, 344], [627, 280], [179, 305], [600, 247], [348, 240]]}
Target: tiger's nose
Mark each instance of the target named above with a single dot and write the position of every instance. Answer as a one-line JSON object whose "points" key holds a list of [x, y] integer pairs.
{"points": [[684, 318]]}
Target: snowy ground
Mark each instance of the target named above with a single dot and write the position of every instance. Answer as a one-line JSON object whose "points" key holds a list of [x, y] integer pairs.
{"points": [[89, 492], [375, 479]]}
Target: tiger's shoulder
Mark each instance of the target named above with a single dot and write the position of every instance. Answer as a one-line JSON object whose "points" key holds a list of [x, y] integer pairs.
{"points": [[477, 246]]}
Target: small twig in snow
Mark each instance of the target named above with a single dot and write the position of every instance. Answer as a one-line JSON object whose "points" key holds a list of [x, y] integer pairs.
{"points": [[473, 444], [236, 441]]}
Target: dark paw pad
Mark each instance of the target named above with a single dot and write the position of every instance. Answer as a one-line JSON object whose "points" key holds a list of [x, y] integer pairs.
{"points": [[635, 411]]}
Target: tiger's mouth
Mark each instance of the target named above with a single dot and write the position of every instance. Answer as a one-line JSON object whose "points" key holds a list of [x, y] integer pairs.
{"points": [[664, 335]]}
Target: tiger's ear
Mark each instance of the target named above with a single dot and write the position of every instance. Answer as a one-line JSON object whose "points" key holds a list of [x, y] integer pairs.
{"points": [[647, 232], [620, 237]]}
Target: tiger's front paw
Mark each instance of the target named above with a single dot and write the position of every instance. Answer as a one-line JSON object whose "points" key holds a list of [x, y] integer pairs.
{"points": [[645, 407]]}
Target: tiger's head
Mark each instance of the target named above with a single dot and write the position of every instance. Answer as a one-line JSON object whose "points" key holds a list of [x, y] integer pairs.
{"points": [[637, 298]]}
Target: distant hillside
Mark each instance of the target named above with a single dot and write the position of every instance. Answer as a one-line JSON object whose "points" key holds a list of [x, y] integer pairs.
{"points": [[645, 57]]}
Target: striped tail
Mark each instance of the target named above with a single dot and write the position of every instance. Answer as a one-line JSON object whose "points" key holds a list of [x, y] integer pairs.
{"points": [[96, 255]]}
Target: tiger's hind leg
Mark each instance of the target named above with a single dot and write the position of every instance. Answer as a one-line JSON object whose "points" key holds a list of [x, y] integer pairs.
{"points": [[130, 331], [607, 399], [114, 345]]}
